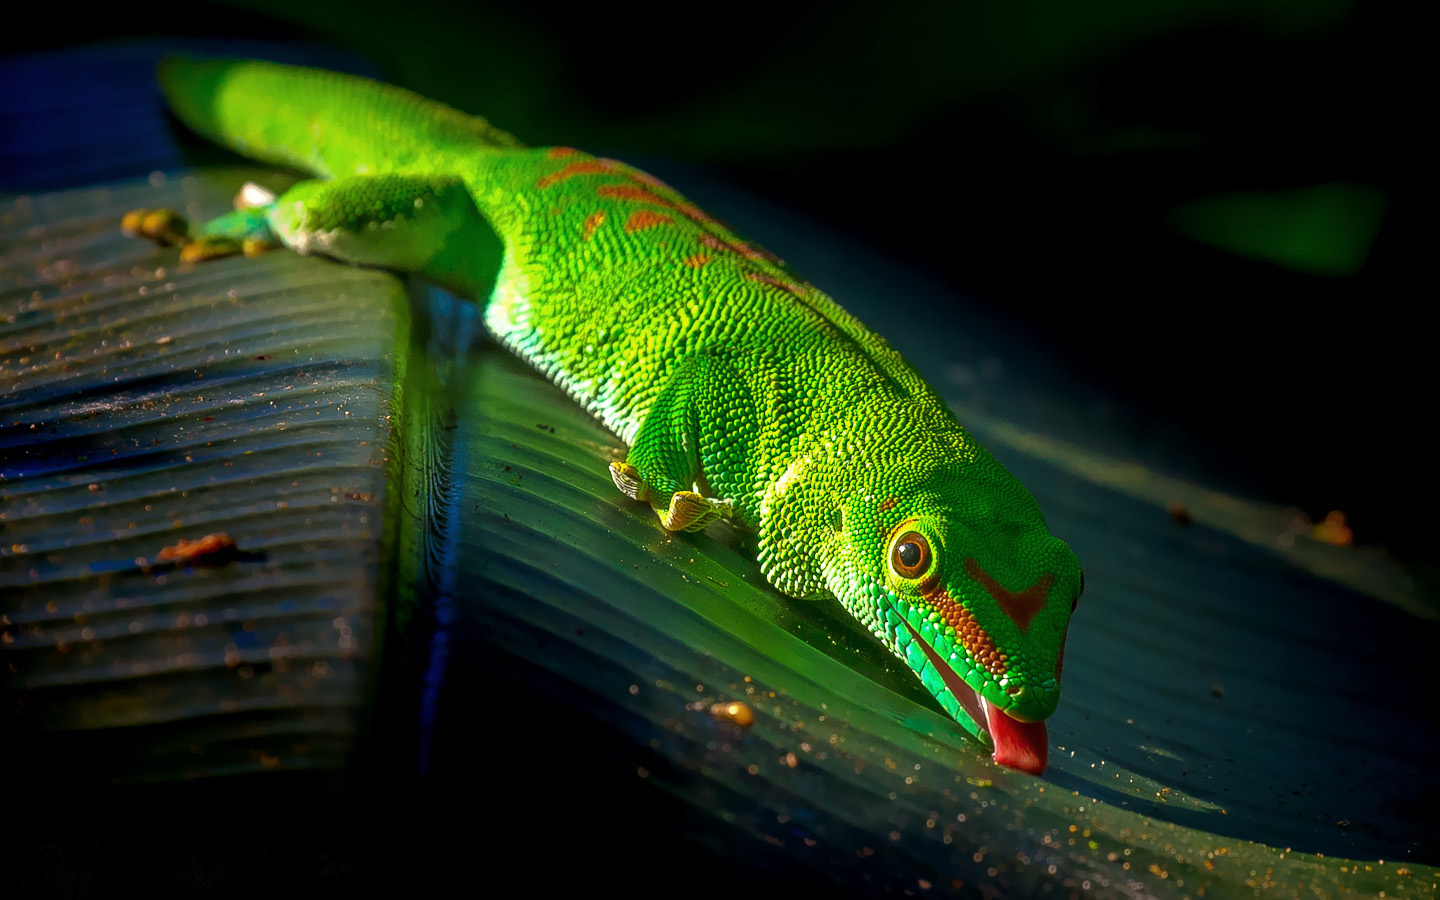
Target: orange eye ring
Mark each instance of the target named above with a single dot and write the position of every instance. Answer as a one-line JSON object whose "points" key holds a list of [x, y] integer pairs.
{"points": [[910, 555]]}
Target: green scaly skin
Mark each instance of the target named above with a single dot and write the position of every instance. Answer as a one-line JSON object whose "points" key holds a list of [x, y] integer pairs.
{"points": [[741, 390]]}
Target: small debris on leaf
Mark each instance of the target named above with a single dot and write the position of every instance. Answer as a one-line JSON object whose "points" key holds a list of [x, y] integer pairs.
{"points": [[1333, 530], [211, 550], [735, 712], [1179, 514]]}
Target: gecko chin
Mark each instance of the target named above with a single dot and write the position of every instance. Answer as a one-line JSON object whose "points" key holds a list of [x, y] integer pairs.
{"points": [[1024, 746]]}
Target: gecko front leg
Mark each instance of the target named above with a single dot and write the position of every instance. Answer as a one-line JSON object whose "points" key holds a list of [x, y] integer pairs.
{"points": [[665, 461], [425, 224]]}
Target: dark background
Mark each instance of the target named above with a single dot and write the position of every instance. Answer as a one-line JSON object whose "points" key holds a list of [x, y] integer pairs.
{"points": [[1201, 207]]}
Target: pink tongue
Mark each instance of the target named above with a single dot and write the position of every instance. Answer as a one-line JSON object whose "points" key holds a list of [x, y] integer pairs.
{"points": [[1019, 745]]}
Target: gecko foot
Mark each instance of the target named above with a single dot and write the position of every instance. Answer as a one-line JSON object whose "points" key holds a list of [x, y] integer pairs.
{"points": [[627, 479], [163, 226], [207, 248], [688, 511], [170, 229], [215, 247]]}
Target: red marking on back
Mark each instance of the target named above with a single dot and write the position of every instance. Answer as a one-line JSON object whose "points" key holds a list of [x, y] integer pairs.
{"points": [[642, 219], [690, 211], [694, 213], [1020, 606], [649, 179], [631, 192], [561, 152], [580, 167], [789, 287], [592, 222], [738, 247], [697, 260]]}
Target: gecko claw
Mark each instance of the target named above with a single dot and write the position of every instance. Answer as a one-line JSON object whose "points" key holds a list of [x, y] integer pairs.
{"points": [[208, 248], [688, 511], [255, 246], [163, 226], [627, 479]]}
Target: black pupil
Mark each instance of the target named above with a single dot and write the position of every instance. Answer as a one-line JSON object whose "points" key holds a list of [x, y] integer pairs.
{"points": [[909, 553]]}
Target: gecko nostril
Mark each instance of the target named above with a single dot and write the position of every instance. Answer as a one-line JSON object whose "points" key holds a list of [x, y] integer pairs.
{"points": [[1013, 689]]}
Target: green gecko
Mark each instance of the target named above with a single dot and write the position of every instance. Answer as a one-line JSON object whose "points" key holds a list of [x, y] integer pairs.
{"points": [[742, 391]]}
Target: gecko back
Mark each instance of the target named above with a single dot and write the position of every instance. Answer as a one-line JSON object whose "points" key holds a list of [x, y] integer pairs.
{"points": [[322, 122]]}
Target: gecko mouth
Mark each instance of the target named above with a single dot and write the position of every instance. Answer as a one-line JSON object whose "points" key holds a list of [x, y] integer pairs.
{"points": [[1018, 745]]}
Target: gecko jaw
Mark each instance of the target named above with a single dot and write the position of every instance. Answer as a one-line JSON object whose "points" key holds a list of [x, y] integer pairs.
{"points": [[1017, 745]]}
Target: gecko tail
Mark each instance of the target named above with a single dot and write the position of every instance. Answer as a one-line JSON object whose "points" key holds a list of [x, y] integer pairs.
{"points": [[322, 122]]}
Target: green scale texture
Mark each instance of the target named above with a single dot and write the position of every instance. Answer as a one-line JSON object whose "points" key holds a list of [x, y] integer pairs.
{"points": [[725, 372]]}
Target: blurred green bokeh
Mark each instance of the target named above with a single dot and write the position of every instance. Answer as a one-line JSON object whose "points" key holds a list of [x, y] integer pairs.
{"points": [[1324, 230]]}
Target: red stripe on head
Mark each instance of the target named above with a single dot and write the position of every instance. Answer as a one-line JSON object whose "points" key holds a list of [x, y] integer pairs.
{"points": [[1021, 606], [561, 152], [697, 260]]}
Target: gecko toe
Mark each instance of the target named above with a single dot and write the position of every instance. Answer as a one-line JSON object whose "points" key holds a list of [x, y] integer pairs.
{"points": [[163, 226], [688, 511], [208, 248], [627, 479]]}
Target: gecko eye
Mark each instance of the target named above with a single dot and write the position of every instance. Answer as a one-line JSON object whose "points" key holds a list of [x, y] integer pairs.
{"points": [[910, 556]]}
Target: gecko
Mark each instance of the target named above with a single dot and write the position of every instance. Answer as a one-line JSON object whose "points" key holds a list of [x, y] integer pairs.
{"points": [[742, 392]]}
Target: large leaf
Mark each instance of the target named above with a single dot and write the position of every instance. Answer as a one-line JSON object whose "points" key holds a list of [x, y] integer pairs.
{"points": [[143, 404]]}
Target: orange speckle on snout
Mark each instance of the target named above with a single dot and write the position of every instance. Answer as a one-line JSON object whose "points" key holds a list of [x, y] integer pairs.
{"points": [[972, 634]]}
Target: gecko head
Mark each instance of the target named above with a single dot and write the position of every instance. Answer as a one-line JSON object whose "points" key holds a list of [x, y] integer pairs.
{"points": [[956, 571]]}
